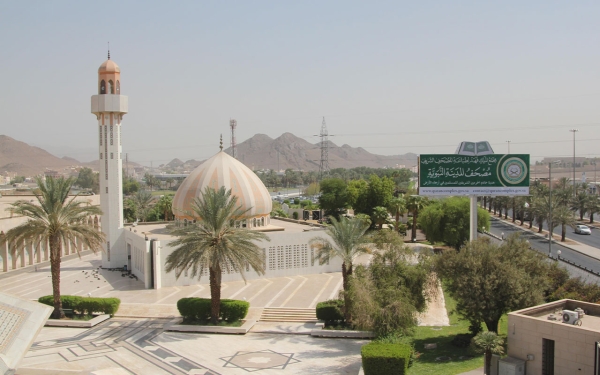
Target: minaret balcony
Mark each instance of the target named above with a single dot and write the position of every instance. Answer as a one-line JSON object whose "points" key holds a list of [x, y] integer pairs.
{"points": [[110, 103]]}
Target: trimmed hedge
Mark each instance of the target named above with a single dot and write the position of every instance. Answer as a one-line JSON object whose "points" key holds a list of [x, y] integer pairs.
{"points": [[385, 359], [331, 311], [85, 305], [199, 309]]}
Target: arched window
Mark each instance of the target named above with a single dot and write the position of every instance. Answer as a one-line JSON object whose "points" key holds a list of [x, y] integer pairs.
{"points": [[118, 88], [102, 87], [111, 88]]}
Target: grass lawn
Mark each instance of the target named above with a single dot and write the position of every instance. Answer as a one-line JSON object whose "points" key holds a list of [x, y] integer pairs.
{"points": [[162, 192], [426, 363]]}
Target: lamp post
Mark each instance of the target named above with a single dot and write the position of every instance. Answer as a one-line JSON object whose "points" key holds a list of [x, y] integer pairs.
{"points": [[508, 142], [550, 209], [574, 131]]}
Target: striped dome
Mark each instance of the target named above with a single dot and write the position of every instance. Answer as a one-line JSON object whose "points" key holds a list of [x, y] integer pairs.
{"points": [[224, 170]]}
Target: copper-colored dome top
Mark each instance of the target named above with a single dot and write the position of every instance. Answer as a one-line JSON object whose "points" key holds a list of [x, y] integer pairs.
{"points": [[109, 66]]}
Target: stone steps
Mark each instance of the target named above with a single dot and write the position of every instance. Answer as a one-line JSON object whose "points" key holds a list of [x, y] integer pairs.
{"points": [[280, 314]]}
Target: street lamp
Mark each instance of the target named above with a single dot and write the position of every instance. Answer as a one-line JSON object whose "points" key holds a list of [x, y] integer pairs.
{"points": [[550, 225], [574, 131], [508, 142]]}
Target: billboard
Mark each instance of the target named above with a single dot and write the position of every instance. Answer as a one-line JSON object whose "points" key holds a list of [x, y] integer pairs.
{"points": [[496, 174]]}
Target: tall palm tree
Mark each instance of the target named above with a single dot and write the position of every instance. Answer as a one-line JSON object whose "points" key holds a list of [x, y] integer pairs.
{"points": [[215, 243], [349, 241], [397, 207], [489, 343], [414, 204], [579, 203], [564, 217], [56, 220], [165, 204], [380, 216], [593, 206]]}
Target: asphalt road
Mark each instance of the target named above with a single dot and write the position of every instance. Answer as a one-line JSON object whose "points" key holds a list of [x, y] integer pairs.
{"points": [[498, 227], [590, 240]]}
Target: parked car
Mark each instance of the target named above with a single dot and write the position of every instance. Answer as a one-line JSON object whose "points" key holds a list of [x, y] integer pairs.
{"points": [[582, 229]]}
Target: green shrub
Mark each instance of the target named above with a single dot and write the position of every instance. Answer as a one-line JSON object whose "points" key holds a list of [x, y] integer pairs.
{"points": [[331, 311], [385, 359], [199, 309], [233, 310], [295, 215], [85, 305], [296, 200], [194, 308]]}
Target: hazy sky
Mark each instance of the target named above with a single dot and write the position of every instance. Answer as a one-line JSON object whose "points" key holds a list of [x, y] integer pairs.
{"points": [[392, 77]]}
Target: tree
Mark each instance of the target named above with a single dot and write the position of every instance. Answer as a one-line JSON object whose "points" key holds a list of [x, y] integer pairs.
{"points": [[564, 217], [56, 220], [143, 203], [17, 180], [414, 204], [349, 241], [87, 179], [488, 280], [165, 206], [214, 242], [397, 207], [580, 203], [380, 216], [130, 186], [333, 197], [448, 220], [593, 206], [489, 343]]}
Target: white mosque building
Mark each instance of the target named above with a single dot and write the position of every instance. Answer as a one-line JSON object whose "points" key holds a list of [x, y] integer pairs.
{"points": [[143, 249]]}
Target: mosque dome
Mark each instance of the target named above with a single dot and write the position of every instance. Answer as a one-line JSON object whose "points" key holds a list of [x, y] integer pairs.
{"points": [[109, 66], [224, 170]]}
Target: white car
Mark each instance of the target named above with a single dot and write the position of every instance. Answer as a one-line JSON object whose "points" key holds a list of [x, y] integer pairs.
{"points": [[582, 229]]}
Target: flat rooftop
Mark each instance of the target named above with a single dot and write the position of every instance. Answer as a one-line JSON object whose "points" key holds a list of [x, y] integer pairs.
{"points": [[590, 321]]}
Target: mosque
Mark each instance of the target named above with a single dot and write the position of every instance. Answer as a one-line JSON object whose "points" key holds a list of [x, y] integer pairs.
{"points": [[143, 249]]}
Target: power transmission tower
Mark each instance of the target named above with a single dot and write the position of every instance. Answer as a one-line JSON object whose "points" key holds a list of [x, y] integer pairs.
{"points": [[233, 125], [324, 165]]}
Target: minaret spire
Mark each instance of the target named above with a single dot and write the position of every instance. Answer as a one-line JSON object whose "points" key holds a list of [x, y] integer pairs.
{"points": [[109, 50], [221, 143]]}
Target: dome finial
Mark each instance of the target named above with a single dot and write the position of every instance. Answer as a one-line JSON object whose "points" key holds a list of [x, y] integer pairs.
{"points": [[109, 50], [221, 143]]}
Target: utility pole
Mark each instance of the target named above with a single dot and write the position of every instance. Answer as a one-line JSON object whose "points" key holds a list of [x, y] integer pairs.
{"points": [[508, 142], [324, 164], [550, 210], [574, 187]]}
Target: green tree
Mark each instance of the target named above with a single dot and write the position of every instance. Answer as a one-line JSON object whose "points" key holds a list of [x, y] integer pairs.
{"points": [[165, 206], [130, 186], [380, 216], [17, 180], [87, 179], [448, 220], [213, 242], [357, 191], [333, 197], [414, 205], [564, 217], [312, 189], [489, 343], [489, 280], [143, 202], [397, 207], [349, 241], [56, 220], [579, 203], [593, 206]]}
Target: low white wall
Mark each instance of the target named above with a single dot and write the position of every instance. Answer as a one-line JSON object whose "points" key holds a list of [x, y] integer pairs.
{"points": [[287, 254], [139, 250]]}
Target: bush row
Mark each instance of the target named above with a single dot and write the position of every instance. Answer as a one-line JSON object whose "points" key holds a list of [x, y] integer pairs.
{"points": [[385, 359], [331, 311], [199, 309], [85, 305]]}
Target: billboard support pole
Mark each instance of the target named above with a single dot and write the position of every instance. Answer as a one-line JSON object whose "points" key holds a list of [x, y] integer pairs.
{"points": [[473, 217]]}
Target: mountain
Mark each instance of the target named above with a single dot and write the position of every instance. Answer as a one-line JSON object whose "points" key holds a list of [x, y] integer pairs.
{"points": [[20, 158], [290, 151]]}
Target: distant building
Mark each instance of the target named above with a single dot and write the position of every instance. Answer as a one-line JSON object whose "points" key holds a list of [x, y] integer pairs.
{"points": [[52, 173]]}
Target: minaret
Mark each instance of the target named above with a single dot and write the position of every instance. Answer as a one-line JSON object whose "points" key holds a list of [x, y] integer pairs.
{"points": [[109, 106]]}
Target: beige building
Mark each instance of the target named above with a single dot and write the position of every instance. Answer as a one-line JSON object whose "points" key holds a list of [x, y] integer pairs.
{"points": [[555, 338]]}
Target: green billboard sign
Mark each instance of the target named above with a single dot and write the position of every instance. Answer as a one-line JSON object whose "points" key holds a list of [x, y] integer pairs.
{"points": [[495, 174]]}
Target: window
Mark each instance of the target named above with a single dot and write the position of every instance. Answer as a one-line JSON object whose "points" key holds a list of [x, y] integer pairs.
{"points": [[102, 87], [100, 156], [547, 357], [111, 88], [119, 91]]}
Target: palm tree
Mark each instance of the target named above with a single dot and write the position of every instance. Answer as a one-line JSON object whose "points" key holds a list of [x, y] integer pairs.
{"points": [[380, 216], [489, 343], [397, 207], [349, 241], [593, 206], [579, 203], [214, 242], [56, 220], [143, 201], [563, 216], [414, 204], [165, 205]]}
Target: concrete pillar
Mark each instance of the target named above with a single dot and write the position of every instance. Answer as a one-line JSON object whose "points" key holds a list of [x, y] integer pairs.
{"points": [[4, 255], [15, 256], [473, 216], [38, 252], [29, 248], [79, 245], [46, 247], [22, 254]]}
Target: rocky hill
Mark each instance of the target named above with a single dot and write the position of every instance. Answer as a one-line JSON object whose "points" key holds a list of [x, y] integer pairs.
{"points": [[20, 158]]}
